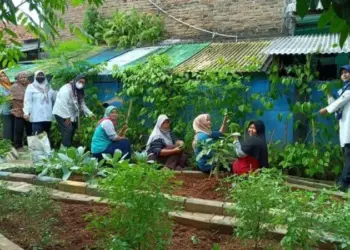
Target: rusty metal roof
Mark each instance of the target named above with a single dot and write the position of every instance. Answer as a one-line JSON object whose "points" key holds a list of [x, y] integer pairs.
{"points": [[241, 56]]}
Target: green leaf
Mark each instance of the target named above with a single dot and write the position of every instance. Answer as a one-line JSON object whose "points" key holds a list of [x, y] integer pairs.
{"points": [[302, 7]]}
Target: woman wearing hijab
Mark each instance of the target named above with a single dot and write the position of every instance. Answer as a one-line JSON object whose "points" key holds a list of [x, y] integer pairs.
{"points": [[163, 147], [68, 105], [17, 91], [5, 109], [38, 104], [252, 153], [203, 132], [106, 140]]}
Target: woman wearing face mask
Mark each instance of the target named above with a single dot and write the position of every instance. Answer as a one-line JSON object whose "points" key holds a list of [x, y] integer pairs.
{"points": [[106, 140], [69, 103], [163, 147], [17, 91], [203, 132], [38, 103], [252, 153], [5, 109]]}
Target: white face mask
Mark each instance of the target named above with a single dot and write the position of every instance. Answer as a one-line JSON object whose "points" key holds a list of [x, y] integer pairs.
{"points": [[79, 85]]}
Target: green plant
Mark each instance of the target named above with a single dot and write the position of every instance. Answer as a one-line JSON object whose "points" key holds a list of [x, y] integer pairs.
{"points": [[221, 153], [138, 217], [94, 24], [126, 30], [31, 211], [5, 147], [255, 196], [303, 216], [66, 161]]}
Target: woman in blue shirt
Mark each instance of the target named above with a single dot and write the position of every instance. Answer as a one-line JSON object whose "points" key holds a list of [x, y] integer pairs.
{"points": [[202, 128], [106, 140]]}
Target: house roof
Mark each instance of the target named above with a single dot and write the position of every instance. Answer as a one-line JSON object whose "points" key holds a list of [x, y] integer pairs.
{"points": [[307, 44], [21, 32], [242, 56]]}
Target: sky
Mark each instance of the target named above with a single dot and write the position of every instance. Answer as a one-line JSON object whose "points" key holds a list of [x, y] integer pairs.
{"points": [[25, 8]]}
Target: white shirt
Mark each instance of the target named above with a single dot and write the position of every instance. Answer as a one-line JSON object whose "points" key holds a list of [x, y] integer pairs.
{"points": [[66, 106], [344, 123], [35, 107]]}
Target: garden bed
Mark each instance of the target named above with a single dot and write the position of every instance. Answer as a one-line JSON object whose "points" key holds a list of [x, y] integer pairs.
{"points": [[70, 232]]}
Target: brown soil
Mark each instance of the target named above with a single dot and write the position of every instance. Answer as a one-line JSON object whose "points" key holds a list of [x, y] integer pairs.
{"points": [[71, 232], [200, 186]]}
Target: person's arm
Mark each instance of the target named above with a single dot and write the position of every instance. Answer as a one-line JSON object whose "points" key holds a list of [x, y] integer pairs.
{"points": [[86, 110], [109, 129], [223, 125], [238, 149], [157, 147], [167, 152], [339, 103], [27, 103]]}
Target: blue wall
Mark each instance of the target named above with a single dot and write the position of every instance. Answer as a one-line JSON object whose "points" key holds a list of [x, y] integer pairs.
{"points": [[108, 88]]}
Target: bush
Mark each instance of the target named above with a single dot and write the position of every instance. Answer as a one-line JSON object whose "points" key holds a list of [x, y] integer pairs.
{"points": [[94, 24], [127, 30], [255, 197], [139, 210]]}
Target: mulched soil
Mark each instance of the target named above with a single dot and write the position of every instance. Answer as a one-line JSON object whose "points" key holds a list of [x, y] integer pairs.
{"points": [[71, 233], [200, 186]]}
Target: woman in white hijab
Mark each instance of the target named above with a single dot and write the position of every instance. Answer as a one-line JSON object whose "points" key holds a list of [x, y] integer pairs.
{"points": [[38, 104], [163, 147]]}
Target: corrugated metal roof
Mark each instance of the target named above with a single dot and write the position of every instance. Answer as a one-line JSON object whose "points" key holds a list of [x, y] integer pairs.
{"points": [[128, 57], [144, 59], [105, 56], [216, 55], [310, 44], [182, 52], [12, 72]]}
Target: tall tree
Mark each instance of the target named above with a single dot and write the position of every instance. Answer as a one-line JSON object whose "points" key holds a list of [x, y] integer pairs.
{"points": [[49, 13]]}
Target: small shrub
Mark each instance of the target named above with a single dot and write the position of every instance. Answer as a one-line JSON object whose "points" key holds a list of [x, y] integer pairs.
{"points": [[126, 30], [255, 196], [5, 147], [139, 210], [94, 24]]}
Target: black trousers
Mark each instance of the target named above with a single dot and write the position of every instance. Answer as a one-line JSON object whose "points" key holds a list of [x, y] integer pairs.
{"points": [[67, 132], [21, 125], [7, 121], [344, 180]]}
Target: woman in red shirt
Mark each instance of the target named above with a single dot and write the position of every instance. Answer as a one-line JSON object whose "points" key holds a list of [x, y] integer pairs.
{"points": [[252, 153]]}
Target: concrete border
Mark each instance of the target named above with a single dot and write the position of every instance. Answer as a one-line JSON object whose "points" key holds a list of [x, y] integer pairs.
{"points": [[6, 244]]}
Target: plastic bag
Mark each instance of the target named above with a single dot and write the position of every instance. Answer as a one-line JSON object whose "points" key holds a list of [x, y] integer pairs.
{"points": [[40, 146]]}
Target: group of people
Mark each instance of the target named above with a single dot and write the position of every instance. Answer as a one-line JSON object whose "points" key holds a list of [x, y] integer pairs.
{"points": [[163, 147], [34, 104], [32, 107]]}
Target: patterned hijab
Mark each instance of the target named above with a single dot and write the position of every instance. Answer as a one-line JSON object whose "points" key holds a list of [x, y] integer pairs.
{"points": [[108, 111], [4, 80]]}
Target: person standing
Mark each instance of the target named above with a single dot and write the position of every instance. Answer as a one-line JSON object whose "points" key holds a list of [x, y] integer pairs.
{"points": [[341, 107], [69, 103], [5, 109], [17, 92], [38, 104]]}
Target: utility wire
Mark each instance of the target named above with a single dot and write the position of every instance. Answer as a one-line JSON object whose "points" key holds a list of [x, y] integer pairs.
{"points": [[191, 26]]}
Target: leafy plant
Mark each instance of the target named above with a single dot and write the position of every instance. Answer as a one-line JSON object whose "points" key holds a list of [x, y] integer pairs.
{"points": [[126, 30], [70, 160], [221, 153], [94, 24], [5, 147], [138, 217], [255, 196]]}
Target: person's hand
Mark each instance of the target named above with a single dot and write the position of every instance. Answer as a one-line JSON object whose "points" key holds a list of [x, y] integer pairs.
{"points": [[178, 150], [68, 122], [26, 117], [225, 119], [179, 143], [323, 111]]}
